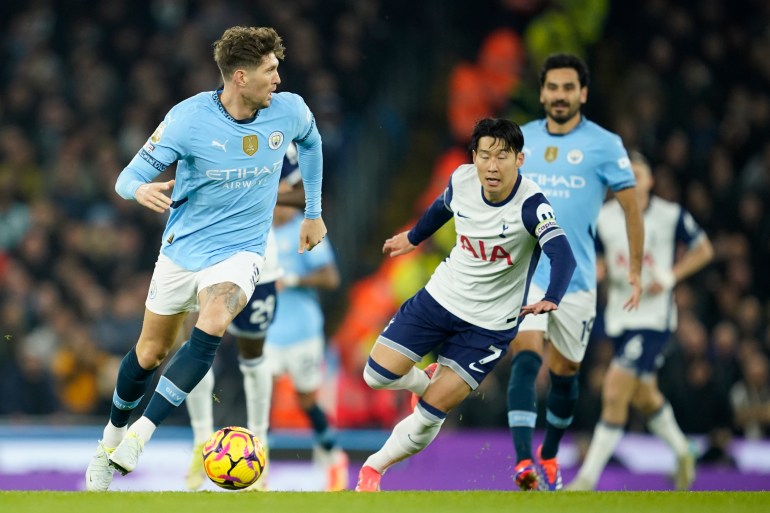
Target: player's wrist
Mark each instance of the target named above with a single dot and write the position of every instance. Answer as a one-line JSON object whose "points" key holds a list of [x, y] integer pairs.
{"points": [[665, 277], [290, 280]]}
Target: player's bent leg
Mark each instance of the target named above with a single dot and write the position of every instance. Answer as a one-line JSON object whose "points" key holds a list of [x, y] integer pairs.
{"points": [[430, 370], [388, 369], [419, 429]]}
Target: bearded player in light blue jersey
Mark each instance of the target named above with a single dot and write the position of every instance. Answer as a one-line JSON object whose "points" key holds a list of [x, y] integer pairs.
{"points": [[229, 146], [574, 161]]}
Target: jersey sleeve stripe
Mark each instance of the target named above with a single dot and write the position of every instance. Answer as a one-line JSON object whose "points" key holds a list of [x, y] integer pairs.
{"points": [[550, 235]]}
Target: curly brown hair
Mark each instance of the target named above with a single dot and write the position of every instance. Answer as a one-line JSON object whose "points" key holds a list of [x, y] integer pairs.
{"points": [[245, 47]]}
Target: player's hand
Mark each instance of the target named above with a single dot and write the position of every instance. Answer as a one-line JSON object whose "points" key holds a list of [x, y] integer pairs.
{"points": [[636, 283], [151, 195], [541, 306], [398, 245], [311, 233]]}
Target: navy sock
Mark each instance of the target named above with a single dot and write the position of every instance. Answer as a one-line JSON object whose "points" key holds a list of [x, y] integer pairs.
{"points": [[522, 402], [562, 399], [324, 435], [184, 371], [130, 387]]}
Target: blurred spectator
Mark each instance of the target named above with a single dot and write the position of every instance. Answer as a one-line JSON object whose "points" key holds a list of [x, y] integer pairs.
{"points": [[750, 397]]}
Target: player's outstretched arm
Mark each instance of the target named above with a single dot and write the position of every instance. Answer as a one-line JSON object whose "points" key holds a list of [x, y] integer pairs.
{"points": [[398, 245], [311, 233], [152, 195], [635, 231]]}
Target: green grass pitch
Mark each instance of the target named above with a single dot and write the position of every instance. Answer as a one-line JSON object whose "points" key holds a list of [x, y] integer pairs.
{"points": [[386, 502]]}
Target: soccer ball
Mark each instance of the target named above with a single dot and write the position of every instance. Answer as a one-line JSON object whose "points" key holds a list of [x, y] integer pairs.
{"points": [[234, 458]]}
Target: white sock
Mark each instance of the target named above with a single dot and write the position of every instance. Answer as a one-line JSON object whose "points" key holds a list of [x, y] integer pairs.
{"points": [[663, 425], [603, 444], [144, 428], [410, 436], [415, 381], [113, 435], [258, 388], [200, 407]]}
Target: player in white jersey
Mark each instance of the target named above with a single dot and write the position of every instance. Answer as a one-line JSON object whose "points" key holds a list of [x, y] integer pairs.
{"points": [[228, 145], [249, 329], [640, 336], [472, 305], [575, 162]]}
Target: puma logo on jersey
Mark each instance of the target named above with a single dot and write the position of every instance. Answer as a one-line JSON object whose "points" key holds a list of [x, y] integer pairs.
{"points": [[218, 144]]}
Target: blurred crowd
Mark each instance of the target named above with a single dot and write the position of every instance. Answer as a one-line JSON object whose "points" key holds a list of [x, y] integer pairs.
{"points": [[85, 83]]}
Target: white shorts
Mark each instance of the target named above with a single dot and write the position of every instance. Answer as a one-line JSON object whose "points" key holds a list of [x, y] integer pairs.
{"points": [[303, 362], [174, 290], [569, 327]]}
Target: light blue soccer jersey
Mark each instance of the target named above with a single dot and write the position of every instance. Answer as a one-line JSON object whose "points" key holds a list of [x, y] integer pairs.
{"points": [[227, 174], [574, 171], [298, 316]]}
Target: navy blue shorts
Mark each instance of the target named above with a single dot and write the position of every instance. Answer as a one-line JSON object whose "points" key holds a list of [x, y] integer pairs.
{"points": [[640, 350], [258, 313], [422, 325]]}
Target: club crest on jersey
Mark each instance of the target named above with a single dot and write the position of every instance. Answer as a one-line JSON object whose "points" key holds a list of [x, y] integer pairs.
{"points": [[275, 140], [158, 133], [250, 144], [575, 157], [551, 152]]}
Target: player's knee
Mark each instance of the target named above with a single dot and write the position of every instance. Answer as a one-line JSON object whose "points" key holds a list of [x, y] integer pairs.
{"points": [[428, 415], [377, 376]]}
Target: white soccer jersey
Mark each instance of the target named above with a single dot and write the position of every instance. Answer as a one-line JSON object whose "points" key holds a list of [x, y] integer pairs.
{"points": [[485, 278], [666, 224]]}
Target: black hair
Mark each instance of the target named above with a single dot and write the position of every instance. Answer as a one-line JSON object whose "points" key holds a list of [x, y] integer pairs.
{"points": [[564, 60], [506, 131]]}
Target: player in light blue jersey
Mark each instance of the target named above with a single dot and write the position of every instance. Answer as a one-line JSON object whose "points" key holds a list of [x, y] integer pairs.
{"points": [[228, 145], [295, 340], [249, 329], [575, 162], [640, 336], [472, 305]]}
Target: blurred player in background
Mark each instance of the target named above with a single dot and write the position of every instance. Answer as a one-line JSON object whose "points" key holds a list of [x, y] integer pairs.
{"points": [[229, 146], [296, 340], [249, 329], [574, 161], [640, 336], [472, 305]]}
